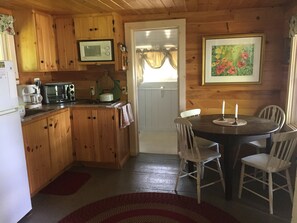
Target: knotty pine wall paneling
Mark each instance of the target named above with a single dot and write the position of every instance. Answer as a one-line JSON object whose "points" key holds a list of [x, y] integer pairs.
{"points": [[252, 97]]}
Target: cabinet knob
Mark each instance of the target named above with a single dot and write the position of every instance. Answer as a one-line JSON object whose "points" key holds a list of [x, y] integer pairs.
{"points": [[91, 29], [94, 117], [41, 61], [89, 117], [50, 125], [95, 29], [45, 127]]}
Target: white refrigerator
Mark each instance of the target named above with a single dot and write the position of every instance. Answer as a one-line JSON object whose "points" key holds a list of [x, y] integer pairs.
{"points": [[15, 201]]}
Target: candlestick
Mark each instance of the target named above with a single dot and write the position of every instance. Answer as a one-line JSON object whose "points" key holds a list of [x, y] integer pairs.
{"points": [[236, 111]]}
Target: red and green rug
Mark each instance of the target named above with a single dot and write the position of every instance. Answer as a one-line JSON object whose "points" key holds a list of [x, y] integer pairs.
{"points": [[66, 184], [149, 208]]}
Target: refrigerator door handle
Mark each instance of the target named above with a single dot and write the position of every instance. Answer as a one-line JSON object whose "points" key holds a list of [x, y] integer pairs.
{"points": [[8, 111]]}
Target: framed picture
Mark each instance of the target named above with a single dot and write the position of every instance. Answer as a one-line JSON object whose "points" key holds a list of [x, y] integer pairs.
{"points": [[95, 50], [231, 59]]}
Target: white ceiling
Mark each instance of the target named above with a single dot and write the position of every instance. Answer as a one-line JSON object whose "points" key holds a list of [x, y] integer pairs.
{"points": [[156, 39]]}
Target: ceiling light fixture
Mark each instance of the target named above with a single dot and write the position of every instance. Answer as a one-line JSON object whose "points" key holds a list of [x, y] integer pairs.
{"points": [[167, 33]]}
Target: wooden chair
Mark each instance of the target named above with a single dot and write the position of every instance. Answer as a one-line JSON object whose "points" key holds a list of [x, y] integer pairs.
{"points": [[276, 162], [201, 142], [189, 151], [271, 112]]}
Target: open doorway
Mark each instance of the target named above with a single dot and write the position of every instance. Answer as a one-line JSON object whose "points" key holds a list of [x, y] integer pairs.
{"points": [[157, 89], [131, 29]]}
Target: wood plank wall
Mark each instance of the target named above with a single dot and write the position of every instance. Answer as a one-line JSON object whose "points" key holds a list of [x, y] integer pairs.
{"points": [[251, 98]]}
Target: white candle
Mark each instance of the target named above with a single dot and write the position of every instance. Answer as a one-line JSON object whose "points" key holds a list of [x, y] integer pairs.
{"points": [[223, 107], [236, 111]]}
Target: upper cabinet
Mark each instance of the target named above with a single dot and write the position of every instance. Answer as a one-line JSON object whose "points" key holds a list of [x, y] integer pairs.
{"points": [[101, 26], [94, 26], [66, 44], [35, 41]]}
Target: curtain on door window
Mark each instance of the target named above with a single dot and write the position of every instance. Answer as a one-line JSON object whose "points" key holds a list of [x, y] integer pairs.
{"points": [[155, 59], [292, 80]]}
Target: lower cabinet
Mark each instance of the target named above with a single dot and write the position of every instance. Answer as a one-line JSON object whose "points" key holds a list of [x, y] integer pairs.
{"points": [[48, 147], [36, 143], [60, 141], [97, 137]]}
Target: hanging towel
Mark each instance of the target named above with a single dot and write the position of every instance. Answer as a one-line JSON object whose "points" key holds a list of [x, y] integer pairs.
{"points": [[126, 115]]}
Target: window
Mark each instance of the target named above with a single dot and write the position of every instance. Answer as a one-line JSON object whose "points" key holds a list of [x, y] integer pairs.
{"points": [[166, 73], [7, 50], [292, 86]]}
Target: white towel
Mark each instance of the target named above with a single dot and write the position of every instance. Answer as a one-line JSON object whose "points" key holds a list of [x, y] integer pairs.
{"points": [[126, 115]]}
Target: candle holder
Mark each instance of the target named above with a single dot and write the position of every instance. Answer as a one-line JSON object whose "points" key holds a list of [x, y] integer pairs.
{"points": [[235, 121], [222, 118]]}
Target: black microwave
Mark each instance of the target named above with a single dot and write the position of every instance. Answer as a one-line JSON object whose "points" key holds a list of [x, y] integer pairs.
{"points": [[61, 92]]}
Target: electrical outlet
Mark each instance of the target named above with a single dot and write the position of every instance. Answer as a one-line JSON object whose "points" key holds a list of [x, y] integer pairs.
{"points": [[92, 89], [124, 90]]}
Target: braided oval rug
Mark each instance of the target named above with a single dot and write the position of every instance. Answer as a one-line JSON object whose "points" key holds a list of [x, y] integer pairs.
{"points": [[148, 208]]}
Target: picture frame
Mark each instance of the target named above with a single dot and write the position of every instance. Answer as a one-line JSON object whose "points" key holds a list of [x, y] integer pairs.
{"points": [[232, 59], [96, 50]]}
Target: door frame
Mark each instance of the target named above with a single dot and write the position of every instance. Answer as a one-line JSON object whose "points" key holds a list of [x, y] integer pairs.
{"points": [[130, 28]]}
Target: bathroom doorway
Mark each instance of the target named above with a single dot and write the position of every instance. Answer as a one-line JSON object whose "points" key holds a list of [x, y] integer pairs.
{"points": [[141, 93]]}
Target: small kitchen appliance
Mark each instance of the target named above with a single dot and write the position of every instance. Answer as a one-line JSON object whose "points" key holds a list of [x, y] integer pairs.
{"points": [[30, 95], [60, 92]]}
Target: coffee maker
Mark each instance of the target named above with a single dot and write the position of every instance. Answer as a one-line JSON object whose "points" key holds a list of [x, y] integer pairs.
{"points": [[29, 95]]}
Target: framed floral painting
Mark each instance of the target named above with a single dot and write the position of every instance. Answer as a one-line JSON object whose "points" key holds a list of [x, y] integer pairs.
{"points": [[232, 59]]}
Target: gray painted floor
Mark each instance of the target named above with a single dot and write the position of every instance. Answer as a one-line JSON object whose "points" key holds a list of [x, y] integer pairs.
{"points": [[154, 173]]}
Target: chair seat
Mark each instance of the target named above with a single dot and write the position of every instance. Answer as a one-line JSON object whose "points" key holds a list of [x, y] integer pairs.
{"points": [[260, 161], [259, 143], [206, 155], [204, 143]]}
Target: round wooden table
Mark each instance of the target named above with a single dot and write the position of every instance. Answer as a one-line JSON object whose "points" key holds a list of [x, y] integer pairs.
{"points": [[231, 137]]}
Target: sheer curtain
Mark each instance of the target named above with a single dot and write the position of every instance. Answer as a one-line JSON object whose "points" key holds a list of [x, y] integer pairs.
{"points": [[155, 59], [292, 79]]}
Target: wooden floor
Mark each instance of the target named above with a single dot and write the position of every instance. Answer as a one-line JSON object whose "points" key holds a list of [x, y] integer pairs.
{"points": [[149, 173]]}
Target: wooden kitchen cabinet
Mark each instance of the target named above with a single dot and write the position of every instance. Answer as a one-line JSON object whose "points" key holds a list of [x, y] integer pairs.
{"points": [[48, 147], [35, 41], [59, 128], [94, 26], [101, 26], [36, 143], [97, 138], [66, 45]]}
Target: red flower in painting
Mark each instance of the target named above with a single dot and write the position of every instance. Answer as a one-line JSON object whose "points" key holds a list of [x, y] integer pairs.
{"points": [[232, 70], [241, 64], [220, 69], [244, 55]]}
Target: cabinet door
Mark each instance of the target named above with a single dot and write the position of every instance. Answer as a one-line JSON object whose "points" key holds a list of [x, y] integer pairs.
{"points": [[66, 44], [104, 135], [46, 42], [103, 27], [37, 152], [83, 27], [83, 134], [93, 27], [60, 141]]}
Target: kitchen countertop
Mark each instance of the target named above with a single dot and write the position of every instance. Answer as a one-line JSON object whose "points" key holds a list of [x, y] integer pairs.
{"points": [[49, 108]]}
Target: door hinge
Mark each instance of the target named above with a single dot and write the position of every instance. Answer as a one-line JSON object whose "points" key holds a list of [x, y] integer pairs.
{"points": [[113, 29], [112, 117], [115, 155], [71, 117]]}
